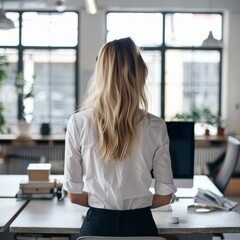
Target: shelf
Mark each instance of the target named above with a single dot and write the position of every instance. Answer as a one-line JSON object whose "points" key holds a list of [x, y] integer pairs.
{"points": [[36, 139]]}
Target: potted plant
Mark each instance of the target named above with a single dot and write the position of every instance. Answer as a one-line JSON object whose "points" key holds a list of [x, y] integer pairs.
{"points": [[219, 122], [2, 119], [194, 115], [208, 118], [3, 75], [25, 90], [199, 115]]}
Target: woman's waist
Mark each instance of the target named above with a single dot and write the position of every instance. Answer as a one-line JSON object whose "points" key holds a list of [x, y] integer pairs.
{"points": [[99, 202]]}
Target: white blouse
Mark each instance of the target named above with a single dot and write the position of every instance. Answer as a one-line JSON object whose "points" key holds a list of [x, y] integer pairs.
{"points": [[121, 185]]}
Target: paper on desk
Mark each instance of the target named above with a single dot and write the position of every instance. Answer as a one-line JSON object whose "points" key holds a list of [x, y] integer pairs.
{"points": [[209, 198]]}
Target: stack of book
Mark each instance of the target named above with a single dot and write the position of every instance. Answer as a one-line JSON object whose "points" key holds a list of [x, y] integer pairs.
{"points": [[39, 171], [38, 185]]}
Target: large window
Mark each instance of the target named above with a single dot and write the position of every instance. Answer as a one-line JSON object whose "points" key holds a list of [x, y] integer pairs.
{"points": [[183, 52], [45, 50], [191, 80]]}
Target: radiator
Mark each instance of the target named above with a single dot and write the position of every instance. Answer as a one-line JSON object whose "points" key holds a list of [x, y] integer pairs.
{"points": [[17, 158], [204, 155]]}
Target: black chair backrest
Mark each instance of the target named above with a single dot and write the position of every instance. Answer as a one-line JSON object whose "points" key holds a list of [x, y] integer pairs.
{"points": [[229, 164], [236, 172]]}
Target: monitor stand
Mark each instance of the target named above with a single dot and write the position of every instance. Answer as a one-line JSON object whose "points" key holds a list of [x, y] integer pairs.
{"points": [[184, 188]]}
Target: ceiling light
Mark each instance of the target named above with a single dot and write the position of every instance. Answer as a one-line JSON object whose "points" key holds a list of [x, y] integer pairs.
{"points": [[90, 6], [5, 23], [60, 5]]}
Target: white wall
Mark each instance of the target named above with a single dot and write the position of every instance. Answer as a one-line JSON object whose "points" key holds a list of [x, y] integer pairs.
{"points": [[92, 37], [231, 73]]}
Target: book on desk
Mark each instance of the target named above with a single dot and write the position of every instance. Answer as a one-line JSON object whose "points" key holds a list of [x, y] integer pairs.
{"points": [[36, 190], [38, 185], [210, 199], [39, 171], [30, 196]]}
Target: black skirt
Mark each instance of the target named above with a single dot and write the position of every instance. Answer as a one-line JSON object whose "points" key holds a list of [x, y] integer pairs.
{"points": [[104, 222]]}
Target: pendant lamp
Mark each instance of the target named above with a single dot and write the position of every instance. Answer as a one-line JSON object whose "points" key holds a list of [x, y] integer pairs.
{"points": [[60, 5], [210, 41], [90, 6], [5, 23]]}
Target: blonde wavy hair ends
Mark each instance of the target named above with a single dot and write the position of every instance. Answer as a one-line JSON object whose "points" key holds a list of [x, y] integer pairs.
{"points": [[117, 97]]}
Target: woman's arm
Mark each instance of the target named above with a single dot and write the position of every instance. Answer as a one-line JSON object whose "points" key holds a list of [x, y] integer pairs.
{"points": [[160, 200], [80, 199]]}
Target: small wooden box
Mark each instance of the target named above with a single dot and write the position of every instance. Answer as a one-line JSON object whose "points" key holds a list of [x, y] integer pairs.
{"points": [[39, 171]]}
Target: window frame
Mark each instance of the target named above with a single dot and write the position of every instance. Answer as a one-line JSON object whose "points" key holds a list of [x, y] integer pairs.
{"points": [[164, 47], [20, 48]]}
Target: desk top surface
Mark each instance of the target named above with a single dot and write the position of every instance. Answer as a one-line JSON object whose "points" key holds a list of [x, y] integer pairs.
{"points": [[9, 184], [63, 217], [192, 222], [49, 216], [52, 216], [9, 208]]}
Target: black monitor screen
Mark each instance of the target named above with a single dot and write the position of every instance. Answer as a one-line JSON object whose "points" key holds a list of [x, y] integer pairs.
{"points": [[181, 136]]}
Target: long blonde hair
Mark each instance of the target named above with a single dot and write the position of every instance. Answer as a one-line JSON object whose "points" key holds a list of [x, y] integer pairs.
{"points": [[116, 93]]}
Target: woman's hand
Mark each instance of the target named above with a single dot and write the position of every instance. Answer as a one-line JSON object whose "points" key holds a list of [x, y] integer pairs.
{"points": [[160, 200], [79, 198]]}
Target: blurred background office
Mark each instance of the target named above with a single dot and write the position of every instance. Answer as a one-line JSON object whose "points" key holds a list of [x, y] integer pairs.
{"points": [[191, 48], [48, 50]]}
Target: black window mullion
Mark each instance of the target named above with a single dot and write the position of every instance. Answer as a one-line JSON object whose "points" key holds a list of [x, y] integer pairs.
{"points": [[162, 104]]}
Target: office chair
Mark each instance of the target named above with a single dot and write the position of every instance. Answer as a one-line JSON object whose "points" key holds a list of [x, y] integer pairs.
{"points": [[231, 157], [120, 238], [229, 163]]}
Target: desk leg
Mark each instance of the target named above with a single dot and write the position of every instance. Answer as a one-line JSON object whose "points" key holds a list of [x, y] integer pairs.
{"points": [[6, 235]]}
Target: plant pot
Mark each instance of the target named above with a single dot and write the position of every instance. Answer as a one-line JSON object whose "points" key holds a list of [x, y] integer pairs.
{"points": [[24, 128], [220, 131], [207, 132], [45, 129]]}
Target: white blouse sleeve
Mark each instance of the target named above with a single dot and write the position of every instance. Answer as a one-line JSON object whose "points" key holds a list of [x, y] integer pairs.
{"points": [[162, 168], [73, 168]]}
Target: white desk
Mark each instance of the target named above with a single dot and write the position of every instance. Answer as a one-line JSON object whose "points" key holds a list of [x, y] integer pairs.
{"points": [[9, 184], [9, 209], [49, 216], [200, 181], [52, 216], [66, 218], [211, 222]]}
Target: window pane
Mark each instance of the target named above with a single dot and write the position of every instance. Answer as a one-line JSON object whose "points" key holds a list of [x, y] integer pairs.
{"points": [[50, 29], [7, 90], [153, 61], [192, 80], [144, 28], [10, 37], [54, 71], [197, 30]]}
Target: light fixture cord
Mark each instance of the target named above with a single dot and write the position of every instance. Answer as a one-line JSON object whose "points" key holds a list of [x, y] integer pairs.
{"points": [[211, 5]]}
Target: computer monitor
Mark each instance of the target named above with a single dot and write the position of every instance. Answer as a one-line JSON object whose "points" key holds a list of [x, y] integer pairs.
{"points": [[181, 137]]}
